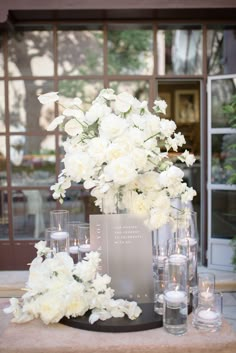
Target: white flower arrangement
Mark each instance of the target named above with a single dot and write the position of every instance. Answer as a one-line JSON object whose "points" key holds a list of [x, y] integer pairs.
{"points": [[57, 288], [118, 147]]}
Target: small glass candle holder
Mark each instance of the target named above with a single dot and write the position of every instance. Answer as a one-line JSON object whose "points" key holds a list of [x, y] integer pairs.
{"points": [[175, 308], [59, 219], [207, 316], [159, 287], [73, 228], [59, 241], [206, 287], [84, 240], [189, 247]]}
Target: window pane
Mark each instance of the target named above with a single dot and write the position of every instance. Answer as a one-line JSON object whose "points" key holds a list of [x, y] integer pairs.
{"points": [[223, 214], [139, 89], [2, 107], [221, 51], [26, 112], [222, 93], [80, 51], [3, 163], [32, 160], [179, 51], [77, 202], [85, 90], [1, 57], [31, 209], [4, 230], [223, 159], [31, 52], [130, 50]]}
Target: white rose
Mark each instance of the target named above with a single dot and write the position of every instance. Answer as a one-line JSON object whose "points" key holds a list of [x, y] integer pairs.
{"points": [[112, 126], [124, 102], [121, 170], [171, 176], [78, 166], [97, 149]]}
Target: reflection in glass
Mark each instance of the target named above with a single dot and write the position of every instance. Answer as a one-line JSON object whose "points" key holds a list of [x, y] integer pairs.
{"points": [[4, 230], [223, 214], [221, 51], [80, 52], [139, 89], [26, 112], [30, 53], [31, 209], [130, 51], [221, 94], [179, 51], [223, 159], [85, 90], [32, 160], [2, 107], [1, 57]]}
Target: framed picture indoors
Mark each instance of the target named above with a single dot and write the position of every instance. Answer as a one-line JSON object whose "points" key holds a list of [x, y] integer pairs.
{"points": [[166, 96], [186, 106]]}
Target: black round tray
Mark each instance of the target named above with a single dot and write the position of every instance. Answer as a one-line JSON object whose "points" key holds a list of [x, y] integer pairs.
{"points": [[146, 321]]}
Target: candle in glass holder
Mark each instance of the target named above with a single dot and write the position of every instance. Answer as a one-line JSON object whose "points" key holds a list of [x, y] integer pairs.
{"points": [[60, 241], [207, 315]]}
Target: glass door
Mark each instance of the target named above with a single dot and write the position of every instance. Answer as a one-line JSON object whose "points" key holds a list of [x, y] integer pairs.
{"points": [[221, 170]]}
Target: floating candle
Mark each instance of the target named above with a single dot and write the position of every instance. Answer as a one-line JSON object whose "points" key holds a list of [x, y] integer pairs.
{"points": [[177, 258], [59, 235], [175, 297], [74, 249], [207, 315], [187, 241], [84, 248]]}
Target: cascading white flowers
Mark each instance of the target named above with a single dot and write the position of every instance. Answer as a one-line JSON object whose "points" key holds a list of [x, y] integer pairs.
{"points": [[118, 147], [58, 288]]}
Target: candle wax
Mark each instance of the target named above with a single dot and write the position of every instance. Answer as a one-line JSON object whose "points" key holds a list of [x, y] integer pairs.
{"points": [[187, 242], [59, 235], [73, 249], [207, 315], [174, 296], [84, 248]]}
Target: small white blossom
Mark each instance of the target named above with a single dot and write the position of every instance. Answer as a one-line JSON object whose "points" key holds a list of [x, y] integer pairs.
{"points": [[48, 97], [55, 123], [73, 127], [188, 158], [160, 106]]}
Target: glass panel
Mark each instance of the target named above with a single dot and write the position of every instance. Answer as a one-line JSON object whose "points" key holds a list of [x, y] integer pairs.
{"points": [[3, 162], [26, 112], [31, 52], [222, 94], [130, 50], [139, 89], [31, 209], [4, 226], [80, 51], [221, 51], [223, 159], [78, 203], [223, 214], [2, 107], [85, 90], [179, 51], [32, 160], [1, 57]]}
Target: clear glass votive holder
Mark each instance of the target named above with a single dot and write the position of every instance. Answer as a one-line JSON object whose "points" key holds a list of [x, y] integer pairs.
{"points": [[206, 287], [59, 241], [159, 287], [84, 240], [207, 316], [48, 232], [59, 219], [189, 247], [175, 310], [187, 224]]}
